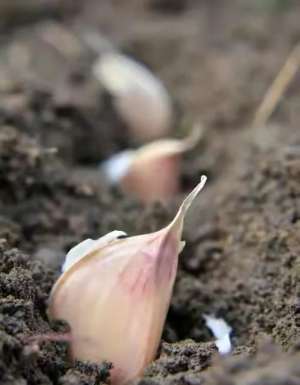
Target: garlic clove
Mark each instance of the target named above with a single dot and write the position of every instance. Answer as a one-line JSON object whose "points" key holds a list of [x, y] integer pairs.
{"points": [[158, 161], [116, 297], [140, 98]]}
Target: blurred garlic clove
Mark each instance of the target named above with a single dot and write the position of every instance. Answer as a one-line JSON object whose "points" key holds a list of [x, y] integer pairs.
{"points": [[116, 296], [140, 98], [151, 173]]}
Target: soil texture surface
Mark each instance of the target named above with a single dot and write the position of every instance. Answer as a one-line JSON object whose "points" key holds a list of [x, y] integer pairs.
{"points": [[57, 124]]}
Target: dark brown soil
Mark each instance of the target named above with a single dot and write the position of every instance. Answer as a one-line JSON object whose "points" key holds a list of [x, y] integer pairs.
{"points": [[242, 259]]}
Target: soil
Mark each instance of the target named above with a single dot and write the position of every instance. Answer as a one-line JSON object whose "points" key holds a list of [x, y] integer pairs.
{"points": [[242, 259]]}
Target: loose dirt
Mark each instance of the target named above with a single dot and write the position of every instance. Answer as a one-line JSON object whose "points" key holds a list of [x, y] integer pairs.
{"points": [[242, 259]]}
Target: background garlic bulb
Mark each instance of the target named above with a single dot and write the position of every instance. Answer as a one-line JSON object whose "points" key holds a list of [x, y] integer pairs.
{"points": [[152, 172], [115, 295], [139, 97]]}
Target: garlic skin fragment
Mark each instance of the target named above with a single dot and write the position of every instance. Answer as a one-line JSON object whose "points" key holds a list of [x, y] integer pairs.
{"points": [[221, 330], [117, 166], [88, 246], [140, 98], [116, 297], [159, 161]]}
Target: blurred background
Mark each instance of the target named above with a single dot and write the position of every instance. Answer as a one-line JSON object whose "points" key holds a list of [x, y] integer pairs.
{"points": [[217, 59]]}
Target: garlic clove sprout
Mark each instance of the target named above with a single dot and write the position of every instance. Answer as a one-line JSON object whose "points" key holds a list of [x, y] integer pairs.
{"points": [[152, 172], [116, 297], [140, 98]]}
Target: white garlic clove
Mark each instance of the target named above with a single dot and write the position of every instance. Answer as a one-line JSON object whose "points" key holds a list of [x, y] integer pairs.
{"points": [[116, 298], [140, 98]]}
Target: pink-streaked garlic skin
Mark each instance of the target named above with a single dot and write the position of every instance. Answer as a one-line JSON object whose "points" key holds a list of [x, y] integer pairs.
{"points": [[153, 180], [136, 289], [116, 297]]}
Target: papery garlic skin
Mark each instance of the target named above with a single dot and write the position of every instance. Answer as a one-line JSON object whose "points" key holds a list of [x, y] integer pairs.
{"points": [[221, 330], [140, 98], [88, 246], [116, 297]]}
